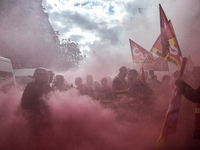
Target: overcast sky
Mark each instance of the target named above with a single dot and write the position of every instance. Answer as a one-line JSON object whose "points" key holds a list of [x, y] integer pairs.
{"points": [[105, 26]]}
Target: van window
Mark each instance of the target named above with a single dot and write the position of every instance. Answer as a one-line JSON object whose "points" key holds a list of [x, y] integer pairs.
{"points": [[23, 77], [7, 79]]}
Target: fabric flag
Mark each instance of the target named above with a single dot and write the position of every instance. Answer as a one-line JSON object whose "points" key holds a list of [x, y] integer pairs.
{"points": [[171, 118], [174, 35], [165, 31], [140, 55], [166, 45], [173, 57]]}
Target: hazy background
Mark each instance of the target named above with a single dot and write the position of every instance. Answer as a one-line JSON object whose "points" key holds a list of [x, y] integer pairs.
{"points": [[106, 26]]}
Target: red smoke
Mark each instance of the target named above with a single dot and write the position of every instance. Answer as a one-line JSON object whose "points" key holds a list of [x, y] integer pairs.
{"points": [[75, 122], [78, 122]]}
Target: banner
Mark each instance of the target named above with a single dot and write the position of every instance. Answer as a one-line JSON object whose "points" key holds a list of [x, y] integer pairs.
{"points": [[171, 118], [140, 55], [159, 64]]}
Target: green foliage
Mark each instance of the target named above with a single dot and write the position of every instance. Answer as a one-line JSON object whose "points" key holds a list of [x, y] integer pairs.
{"points": [[70, 54]]}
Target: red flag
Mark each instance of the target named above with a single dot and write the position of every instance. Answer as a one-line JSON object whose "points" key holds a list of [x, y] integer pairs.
{"points": [[139, 54], [171, 118], [174, 35], [165, 31], [172, 57], [169, 47]]}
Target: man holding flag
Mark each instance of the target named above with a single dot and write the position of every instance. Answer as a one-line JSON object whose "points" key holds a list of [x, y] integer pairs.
{"points": [[170, 51], [192, 95]]}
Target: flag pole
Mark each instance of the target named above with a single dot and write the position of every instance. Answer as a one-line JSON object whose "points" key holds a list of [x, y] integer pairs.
{"points": [[144, 62], [131, 54], [150, 52], [172, 109]]}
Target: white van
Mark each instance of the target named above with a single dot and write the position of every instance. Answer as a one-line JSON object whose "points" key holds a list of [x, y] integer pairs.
{"points": [[23, 77], [7, 78]]}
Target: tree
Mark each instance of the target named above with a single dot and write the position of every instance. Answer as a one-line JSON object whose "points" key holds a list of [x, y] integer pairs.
{"points": [[70, 54]]}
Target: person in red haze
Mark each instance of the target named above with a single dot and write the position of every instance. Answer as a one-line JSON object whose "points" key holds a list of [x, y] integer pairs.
{"points": [[34, 101], [33, 97], [119, 86], [82, 88], [105, 90], [193, 95], [60, 84]]}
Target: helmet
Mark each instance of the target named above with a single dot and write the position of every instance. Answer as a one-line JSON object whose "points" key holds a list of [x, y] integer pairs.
{"points": [[104, 80], [78, 80], [41, 75], [166, 77], [133, 72], [60, 79], [89, 78], [122, 69], [51, 75], [50, 72]]}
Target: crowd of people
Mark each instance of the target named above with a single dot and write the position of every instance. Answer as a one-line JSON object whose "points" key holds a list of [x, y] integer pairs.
{"points": [[130, 90]]}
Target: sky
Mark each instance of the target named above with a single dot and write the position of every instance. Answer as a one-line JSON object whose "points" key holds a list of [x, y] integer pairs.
{"points": [[104, 27]]}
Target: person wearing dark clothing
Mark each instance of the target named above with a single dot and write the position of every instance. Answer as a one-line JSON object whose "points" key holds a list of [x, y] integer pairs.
{"points": [[105, 93], [120, 87], [135, 91], [140, 93], [82, 88], [193, 95], [93, 87], [164, 89], [90, 85], [105, 90], [154, 82], [34, 101], [51, 77], [33, 97], [60, 85]]}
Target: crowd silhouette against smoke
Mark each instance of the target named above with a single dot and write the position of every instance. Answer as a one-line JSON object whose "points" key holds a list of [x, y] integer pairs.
{"points": [[76, 122], [75, 119]]}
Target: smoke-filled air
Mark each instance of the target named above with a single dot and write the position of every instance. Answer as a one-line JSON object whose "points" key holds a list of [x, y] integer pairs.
{"points": [[99, 75]]}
